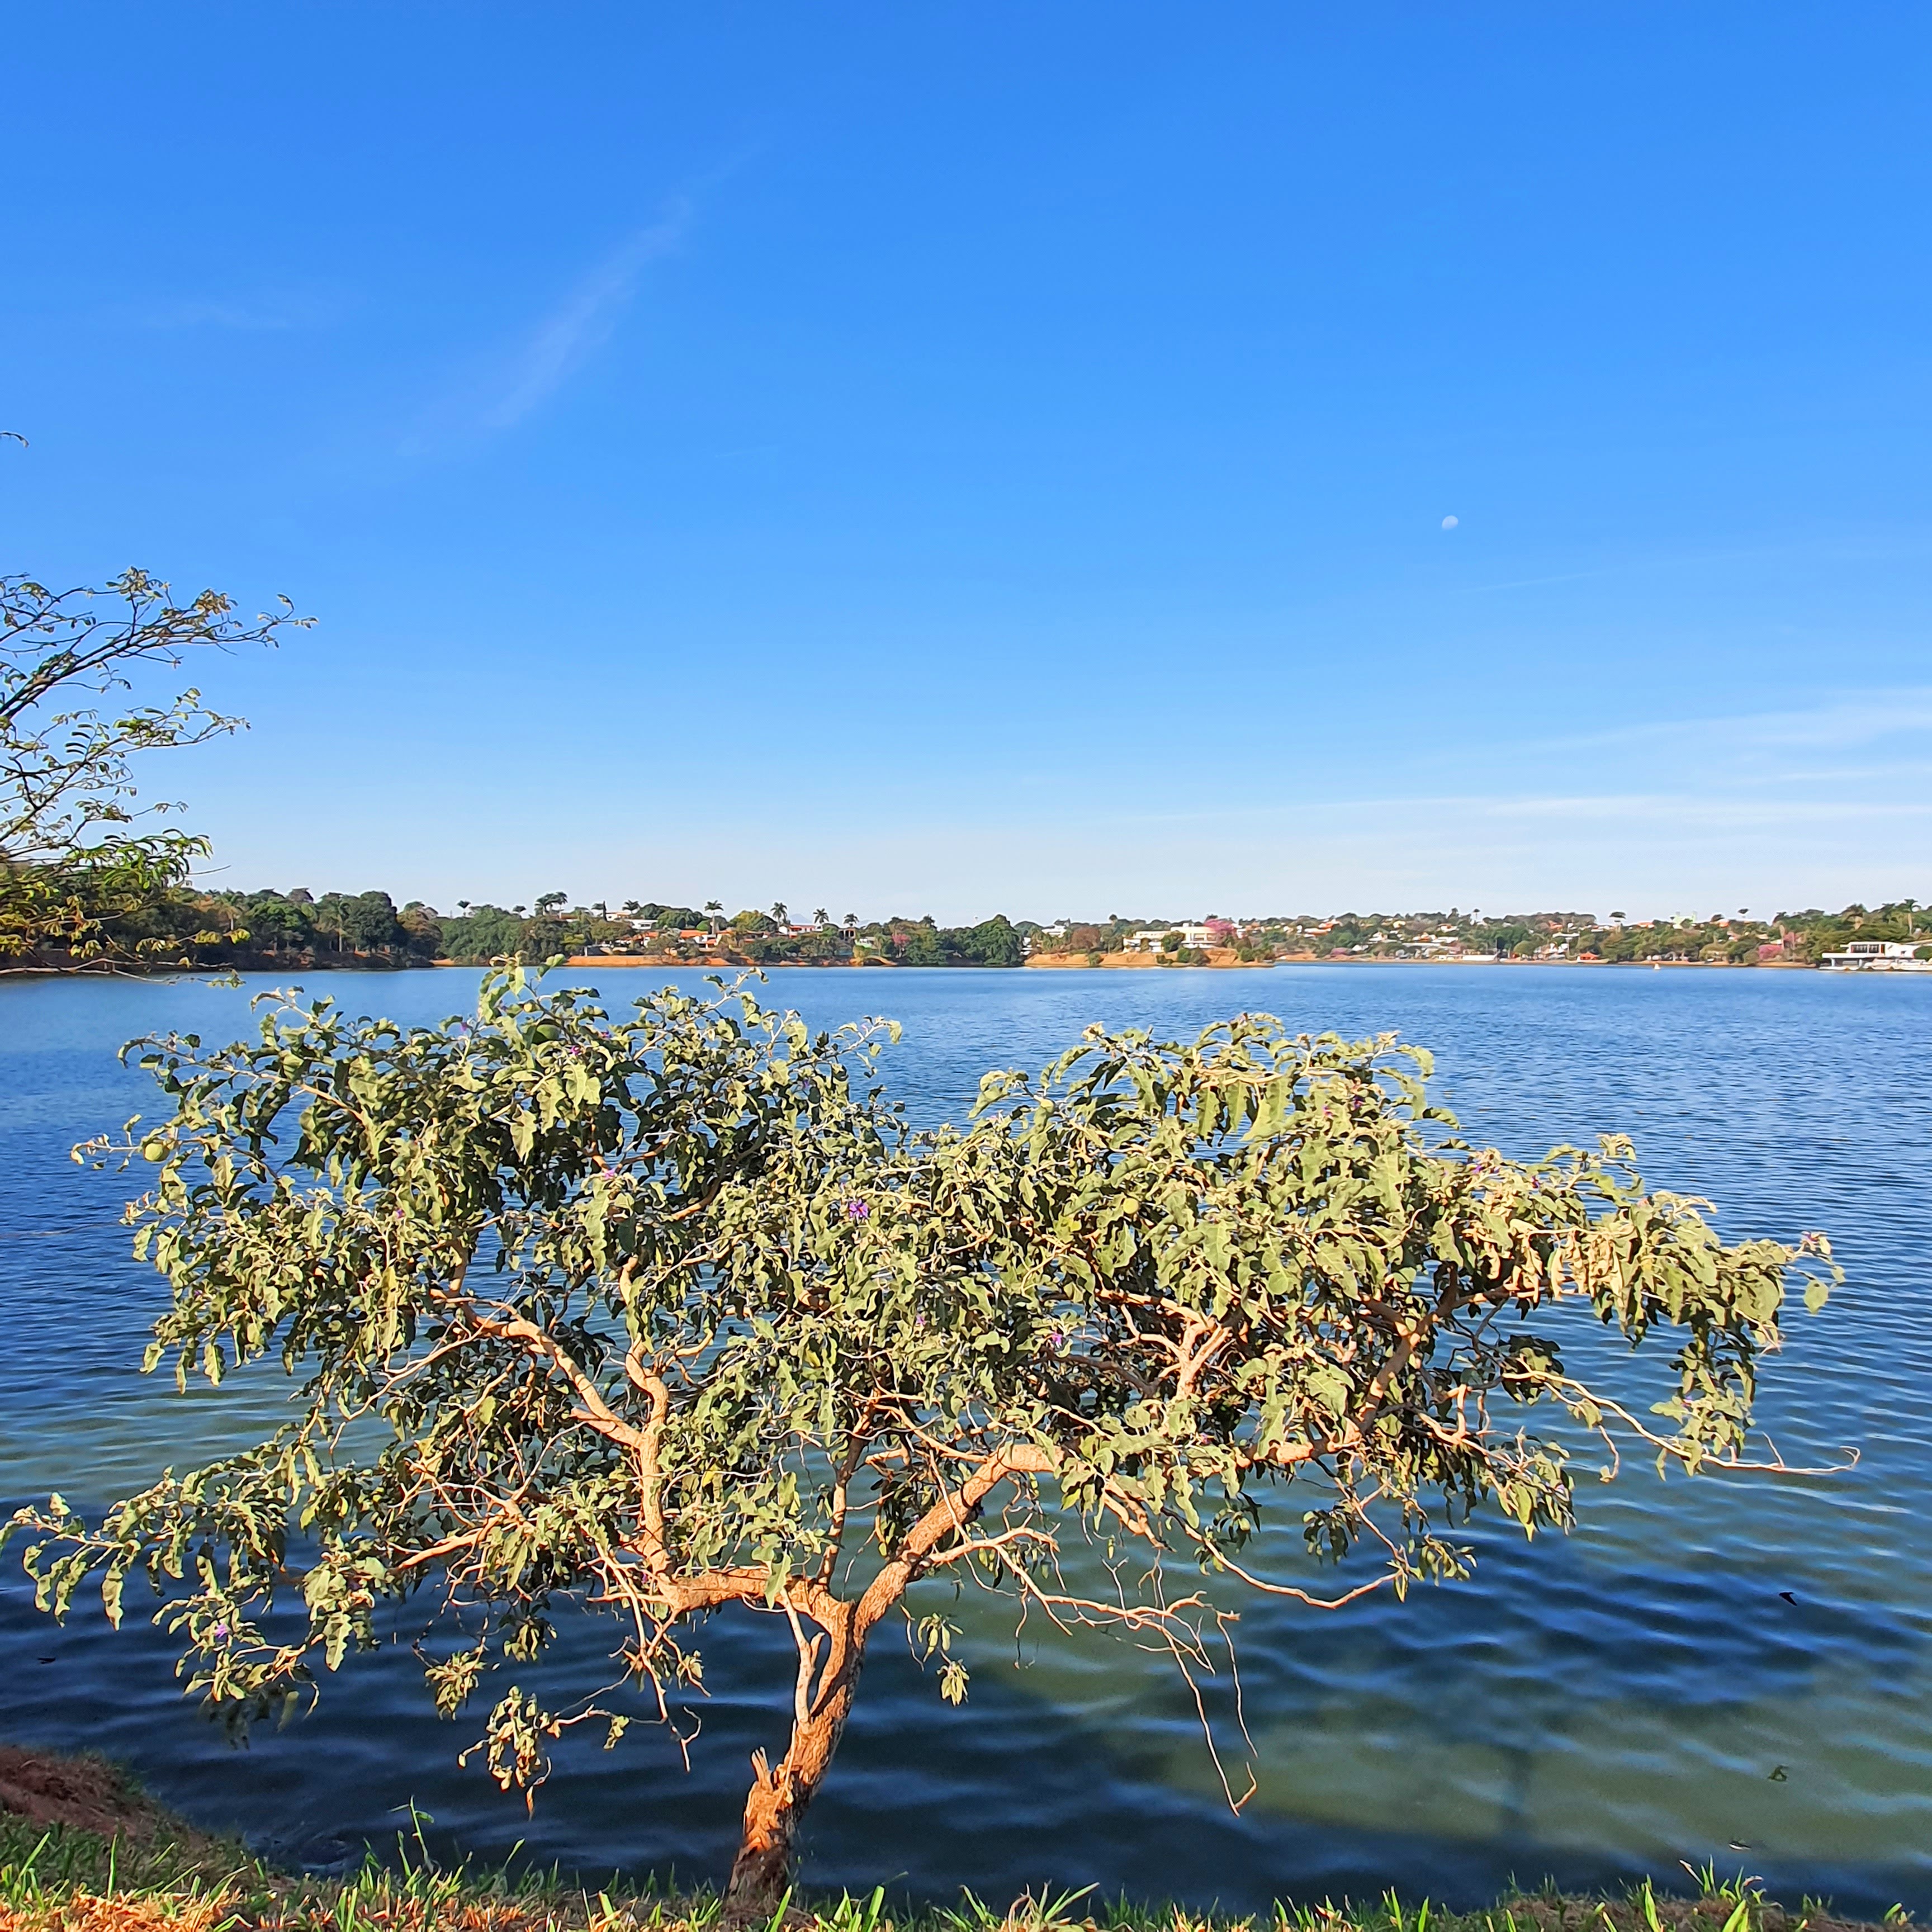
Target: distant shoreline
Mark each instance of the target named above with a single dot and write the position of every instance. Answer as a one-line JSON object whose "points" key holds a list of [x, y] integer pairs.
{"points": [[1220, 959], [1225, 957]]}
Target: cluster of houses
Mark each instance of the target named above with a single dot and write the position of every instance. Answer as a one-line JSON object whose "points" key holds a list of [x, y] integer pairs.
{"points": [[1196, 936]]}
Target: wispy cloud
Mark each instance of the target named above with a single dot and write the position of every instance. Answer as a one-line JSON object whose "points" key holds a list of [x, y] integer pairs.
{"points": [[578, 327], [1840, 721]]}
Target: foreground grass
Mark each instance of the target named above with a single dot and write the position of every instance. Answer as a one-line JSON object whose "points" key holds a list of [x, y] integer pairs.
{"points": [[62, 1878]]}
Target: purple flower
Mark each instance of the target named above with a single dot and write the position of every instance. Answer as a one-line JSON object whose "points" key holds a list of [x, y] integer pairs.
{"points": [[856, 1210], [220, 1633]]}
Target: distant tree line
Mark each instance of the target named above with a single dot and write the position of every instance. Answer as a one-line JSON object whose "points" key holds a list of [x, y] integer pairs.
{"points": [[175, 925], [771, 937], [1796, 938]]}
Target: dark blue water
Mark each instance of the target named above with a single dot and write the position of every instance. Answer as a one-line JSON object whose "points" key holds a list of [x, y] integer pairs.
{"points": [[1593, 1708]]}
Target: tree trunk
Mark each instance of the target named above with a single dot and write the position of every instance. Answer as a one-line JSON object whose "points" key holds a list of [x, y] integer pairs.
{"points": [[776, 1807]]}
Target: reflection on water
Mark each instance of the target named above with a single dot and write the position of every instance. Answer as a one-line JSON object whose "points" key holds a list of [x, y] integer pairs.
{"points": [[1593, 1708]]}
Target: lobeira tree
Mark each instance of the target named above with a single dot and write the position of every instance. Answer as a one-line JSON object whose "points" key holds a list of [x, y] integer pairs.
{"points": [[77, 861], [659, 1316]]}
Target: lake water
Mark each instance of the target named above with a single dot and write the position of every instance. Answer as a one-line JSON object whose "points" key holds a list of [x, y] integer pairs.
{"points": [[1593, 1708]]}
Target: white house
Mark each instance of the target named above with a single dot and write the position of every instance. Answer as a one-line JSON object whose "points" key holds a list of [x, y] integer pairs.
{"points": [[1877, 956], [1200, 937]]}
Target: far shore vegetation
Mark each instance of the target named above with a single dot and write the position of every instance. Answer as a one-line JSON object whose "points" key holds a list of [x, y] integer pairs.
{"points": [[177, 926]]}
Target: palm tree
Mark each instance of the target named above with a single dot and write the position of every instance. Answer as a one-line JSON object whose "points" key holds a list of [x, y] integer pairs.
{"points": [[779, 913], [819, 918], [714, 909]]}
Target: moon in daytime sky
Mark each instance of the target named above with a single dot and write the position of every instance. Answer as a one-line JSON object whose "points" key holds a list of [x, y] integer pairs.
{"points": [[1450, 522]]}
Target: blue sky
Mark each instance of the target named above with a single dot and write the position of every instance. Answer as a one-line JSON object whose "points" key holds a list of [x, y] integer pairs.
{"points": [[956, 457]]}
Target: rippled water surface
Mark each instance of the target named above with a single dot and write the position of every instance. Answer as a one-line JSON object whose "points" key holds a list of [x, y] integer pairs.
{"points": [[1593, 1708]]}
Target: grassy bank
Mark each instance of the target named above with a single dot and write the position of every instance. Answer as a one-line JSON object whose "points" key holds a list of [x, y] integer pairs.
{"points": [[82, 1850]]}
